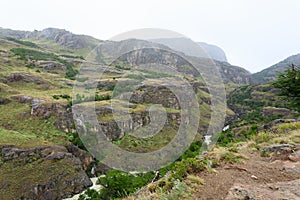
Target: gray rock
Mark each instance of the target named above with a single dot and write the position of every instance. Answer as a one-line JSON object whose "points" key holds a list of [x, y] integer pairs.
{"points": [[4, 101]]}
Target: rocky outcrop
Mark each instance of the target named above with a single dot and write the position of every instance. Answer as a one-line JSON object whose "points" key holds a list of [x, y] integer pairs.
{"points": [[63, 114], [233, 74], [25, 77], [272, 111], [155, 94], [50, 65], [85, 158], [54, 182], [276, 122], [282, 151]]}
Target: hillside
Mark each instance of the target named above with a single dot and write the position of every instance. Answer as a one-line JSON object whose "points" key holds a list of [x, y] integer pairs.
{"points": [[270, 74], [57, 88], [37, 75]]}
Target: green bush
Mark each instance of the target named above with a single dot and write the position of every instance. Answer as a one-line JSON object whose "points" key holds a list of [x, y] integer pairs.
{"points": [[118, 184], [25, 43], [190, 165], [63, 96], [102, 98], [90, 194], [193, 150]]}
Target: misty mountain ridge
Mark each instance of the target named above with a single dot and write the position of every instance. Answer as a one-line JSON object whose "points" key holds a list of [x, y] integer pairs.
{"points": [[190, 48], [270, 74]]}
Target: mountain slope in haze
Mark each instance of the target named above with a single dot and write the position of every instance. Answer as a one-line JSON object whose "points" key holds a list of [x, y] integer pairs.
{"points": [[270, 74], [190, 48], [214, 51]]}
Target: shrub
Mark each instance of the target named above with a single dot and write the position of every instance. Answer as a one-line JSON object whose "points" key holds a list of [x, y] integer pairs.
{"points": [[118, 184], [102, 98], [90, 194], [189, 165], [25, 43]]}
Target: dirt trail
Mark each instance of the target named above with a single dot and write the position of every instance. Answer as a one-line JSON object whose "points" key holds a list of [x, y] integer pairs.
{"points": [[257, 171]]}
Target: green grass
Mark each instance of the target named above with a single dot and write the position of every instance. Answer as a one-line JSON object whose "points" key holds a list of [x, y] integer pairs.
{"points": [[16, 117], [156, 142], [287, 133], [22, 140]]}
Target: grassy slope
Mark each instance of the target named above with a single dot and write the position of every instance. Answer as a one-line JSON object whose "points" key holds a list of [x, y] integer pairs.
{"points": [[18, 127]]}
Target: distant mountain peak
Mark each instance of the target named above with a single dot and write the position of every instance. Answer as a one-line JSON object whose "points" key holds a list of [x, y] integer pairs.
{"points": [[214, 51], [191, 48]]}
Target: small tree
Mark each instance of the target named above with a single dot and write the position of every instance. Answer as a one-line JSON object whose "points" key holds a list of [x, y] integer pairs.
{"points": [[289, 84]]}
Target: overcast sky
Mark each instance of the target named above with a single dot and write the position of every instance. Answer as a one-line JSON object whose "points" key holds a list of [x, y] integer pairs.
{"points": [[254, 34]]}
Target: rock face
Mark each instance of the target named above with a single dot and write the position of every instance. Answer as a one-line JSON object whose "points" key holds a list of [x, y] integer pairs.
{"points": [[85, 158], [234, 74], [62, 175]]}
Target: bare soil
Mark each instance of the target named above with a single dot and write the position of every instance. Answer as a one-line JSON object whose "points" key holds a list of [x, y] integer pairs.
{"points": [[255, 171]]}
